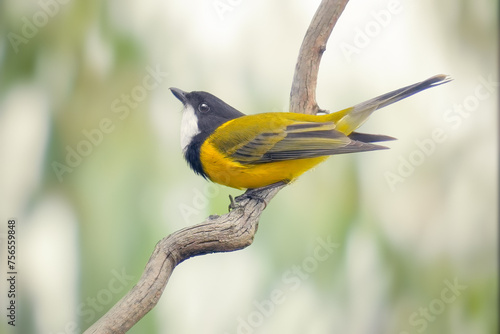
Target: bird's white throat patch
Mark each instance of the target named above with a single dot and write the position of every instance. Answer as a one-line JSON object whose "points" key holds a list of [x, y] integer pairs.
{"points": [[189, 126]]}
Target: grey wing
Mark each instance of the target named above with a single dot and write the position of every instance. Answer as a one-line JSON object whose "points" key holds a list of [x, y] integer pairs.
{"points": [[299, 140]]}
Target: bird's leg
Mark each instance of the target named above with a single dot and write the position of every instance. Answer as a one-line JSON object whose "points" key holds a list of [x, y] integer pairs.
{"points": [[253, 193], [233, 205]]}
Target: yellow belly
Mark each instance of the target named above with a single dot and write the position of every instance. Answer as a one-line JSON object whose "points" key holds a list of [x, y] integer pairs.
{"points": [[232, 174]]}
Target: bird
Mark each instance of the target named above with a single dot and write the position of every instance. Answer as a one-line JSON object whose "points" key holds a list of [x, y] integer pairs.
{"points": [[224, 145]]}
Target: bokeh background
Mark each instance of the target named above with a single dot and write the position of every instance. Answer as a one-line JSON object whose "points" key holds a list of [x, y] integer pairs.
{"points": [[91, 167]]}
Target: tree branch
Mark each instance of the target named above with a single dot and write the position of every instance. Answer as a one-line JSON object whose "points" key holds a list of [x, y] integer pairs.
{"points": [[305, 79], [232, 231], [236, 229]]}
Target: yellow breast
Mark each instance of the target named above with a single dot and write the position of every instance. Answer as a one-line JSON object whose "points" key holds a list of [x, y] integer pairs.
{"points": [[223, 170]]}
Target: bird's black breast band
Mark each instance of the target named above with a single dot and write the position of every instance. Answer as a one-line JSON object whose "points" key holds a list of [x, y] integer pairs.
{"points": [[192, 154]]}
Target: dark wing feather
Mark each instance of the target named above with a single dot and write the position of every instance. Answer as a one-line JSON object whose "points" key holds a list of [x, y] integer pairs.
{"points": [[298, 140], [369, 138]]}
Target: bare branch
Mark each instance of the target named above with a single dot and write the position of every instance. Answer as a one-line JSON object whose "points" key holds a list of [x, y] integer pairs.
{"points": [[236, 229], [232, 231], [303, 92]]}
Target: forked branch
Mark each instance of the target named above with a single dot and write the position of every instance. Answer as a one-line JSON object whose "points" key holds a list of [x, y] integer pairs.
{"points": [[236, 229]]}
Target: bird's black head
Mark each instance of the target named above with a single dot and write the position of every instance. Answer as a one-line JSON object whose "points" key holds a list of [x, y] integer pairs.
{"points": [[202, 114]]}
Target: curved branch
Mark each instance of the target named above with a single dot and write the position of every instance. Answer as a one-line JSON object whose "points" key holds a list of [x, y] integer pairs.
{"points": [[236, 229], [232, 231], [303, 92]]}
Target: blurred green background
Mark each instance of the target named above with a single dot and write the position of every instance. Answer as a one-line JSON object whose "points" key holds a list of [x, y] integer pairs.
{"points": [[91, 167]]}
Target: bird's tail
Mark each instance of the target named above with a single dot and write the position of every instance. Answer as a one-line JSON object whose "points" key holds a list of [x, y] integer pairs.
{"points": [[357, 115]]}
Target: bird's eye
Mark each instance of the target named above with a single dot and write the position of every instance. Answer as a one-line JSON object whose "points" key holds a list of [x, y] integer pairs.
{"points": [[203, 108]]}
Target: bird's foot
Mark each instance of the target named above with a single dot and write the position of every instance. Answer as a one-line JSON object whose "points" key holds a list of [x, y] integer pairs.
{"points": [[252, 194]]}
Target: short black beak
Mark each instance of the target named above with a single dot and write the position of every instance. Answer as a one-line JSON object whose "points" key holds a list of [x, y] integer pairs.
{"points": [[180, 94]]}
